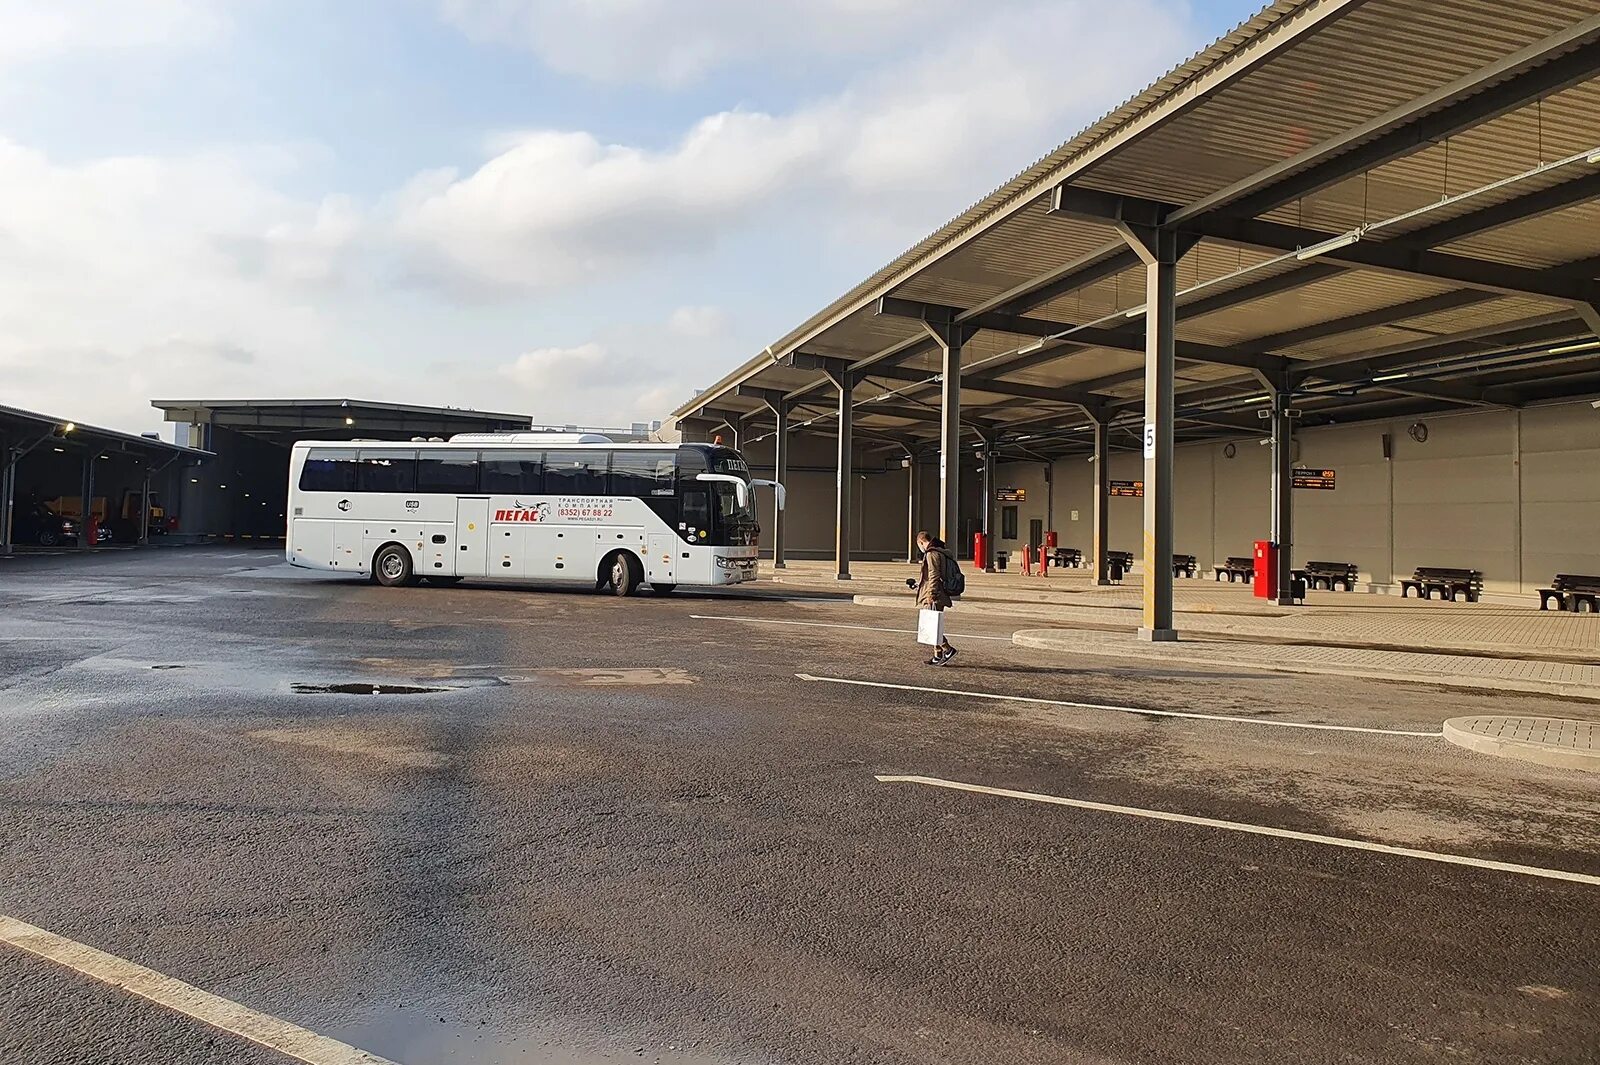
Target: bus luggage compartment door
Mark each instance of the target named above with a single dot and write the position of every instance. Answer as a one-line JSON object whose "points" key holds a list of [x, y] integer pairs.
{"points": [[472, 537], [658, 566]]}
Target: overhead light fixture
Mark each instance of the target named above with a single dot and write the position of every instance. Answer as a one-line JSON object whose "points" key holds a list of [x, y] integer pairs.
{"points": [[1343, 240], [1570, 348], [1028, 349], [349, 421], [1134, 312], [59, 450], [1594, 157], [69, 427], [1595, 404], [1259, 399], [1391, 376]]}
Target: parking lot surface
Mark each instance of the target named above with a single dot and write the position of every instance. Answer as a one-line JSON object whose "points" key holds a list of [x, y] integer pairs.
{"points": [[485, 824]]}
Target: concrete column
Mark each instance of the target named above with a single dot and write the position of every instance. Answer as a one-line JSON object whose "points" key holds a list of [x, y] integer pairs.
{"points": [[87, 504], [950, 441], [1100, 510], [846, 474], [1283, 494], [780, 473], [1159, 249]]}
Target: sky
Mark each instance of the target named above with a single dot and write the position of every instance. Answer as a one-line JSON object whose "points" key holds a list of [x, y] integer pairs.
{"points": [[579, 210]]}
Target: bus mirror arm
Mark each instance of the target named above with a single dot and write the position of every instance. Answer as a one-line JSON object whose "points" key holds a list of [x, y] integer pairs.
{"points": [[740, 489], [775, 486]]}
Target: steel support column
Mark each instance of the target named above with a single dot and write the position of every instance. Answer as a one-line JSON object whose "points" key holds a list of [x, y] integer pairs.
{"points": [[1283, 493], [913, 484], [780, 473], [8, 496], [951, 338], [1160, 250], [1100, 509], [986, 522], [87, 505], [846, 472]]}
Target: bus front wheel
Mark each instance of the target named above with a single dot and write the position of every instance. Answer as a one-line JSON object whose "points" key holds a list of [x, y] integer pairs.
{"points": [[391, 566], [625, 574]]}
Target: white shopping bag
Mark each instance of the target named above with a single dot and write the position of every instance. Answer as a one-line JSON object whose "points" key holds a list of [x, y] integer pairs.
{"points": [[930, 627]]}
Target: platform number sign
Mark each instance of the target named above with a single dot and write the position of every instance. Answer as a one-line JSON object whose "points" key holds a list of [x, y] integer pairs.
{"points": [[1149, 441], [1322, 480]]}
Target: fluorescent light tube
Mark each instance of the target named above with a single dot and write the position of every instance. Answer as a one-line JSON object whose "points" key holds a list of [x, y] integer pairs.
{"points": [[1390, 376], [1030, 348], [1570, 348], [1343, 240]]}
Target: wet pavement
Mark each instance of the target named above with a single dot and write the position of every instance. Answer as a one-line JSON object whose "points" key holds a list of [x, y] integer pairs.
{"points": [[490, 824]]}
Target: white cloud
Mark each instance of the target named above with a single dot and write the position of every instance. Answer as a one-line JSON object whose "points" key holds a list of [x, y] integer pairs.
{"points": [[888, 157], [676, 42], [41, 29], [699, 323]]}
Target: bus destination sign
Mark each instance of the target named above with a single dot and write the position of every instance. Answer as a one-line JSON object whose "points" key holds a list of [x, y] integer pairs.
{"points": [[1319, 479]]}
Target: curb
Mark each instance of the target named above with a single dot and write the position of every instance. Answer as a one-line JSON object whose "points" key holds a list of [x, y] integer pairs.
{"points": [[1525, 750], [1047, 640]]}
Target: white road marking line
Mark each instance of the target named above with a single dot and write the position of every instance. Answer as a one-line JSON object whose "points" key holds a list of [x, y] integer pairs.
{"points": [[270, 1032], [1257, 830], [834, 625], [1439, 734]]}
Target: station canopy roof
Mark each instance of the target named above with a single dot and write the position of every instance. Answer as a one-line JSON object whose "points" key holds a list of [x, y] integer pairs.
{"points": [[283, 421], [1393, 204], [23, 430]]}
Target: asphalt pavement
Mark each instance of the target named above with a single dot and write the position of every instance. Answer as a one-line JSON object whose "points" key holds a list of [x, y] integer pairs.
{"points": [[487, 824]]}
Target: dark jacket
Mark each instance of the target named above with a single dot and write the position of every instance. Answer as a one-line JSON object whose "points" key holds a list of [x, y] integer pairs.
{"points": [[931, 591]]}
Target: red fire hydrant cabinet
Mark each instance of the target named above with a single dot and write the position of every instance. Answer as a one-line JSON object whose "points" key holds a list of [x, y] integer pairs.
{"points": [[1266, 574]]}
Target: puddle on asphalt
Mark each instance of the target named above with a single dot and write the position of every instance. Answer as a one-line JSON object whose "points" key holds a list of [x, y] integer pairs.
{"points": [[625, 677], [362, 689], [417, 1037], [363, 742]]}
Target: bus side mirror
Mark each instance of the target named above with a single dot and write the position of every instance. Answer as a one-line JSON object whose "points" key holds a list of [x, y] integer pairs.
{"points": [[776, 488]]}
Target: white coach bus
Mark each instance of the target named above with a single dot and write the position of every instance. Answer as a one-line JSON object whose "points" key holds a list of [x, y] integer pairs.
{"points": [[525, 506]]}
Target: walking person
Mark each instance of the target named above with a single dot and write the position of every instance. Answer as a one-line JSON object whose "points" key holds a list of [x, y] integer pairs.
{"points": [[941, 582]]}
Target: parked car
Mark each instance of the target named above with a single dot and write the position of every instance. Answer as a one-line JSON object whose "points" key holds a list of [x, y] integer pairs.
{"points": [[38, 524]]}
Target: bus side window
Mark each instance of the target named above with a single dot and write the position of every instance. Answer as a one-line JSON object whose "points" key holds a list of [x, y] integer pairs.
{"points": [[329, 470], [448, 472], [513, 472], [576, 473]]}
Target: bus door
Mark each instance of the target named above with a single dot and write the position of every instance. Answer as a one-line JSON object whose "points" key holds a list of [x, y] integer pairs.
{"points": [[658, 566], [472, 536]]}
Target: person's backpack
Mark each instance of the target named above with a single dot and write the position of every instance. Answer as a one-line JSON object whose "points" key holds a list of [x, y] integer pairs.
{"points": [[955, 582]]}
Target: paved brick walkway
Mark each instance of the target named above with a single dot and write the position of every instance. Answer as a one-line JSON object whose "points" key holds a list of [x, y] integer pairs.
{"points": [[1554, 741]]}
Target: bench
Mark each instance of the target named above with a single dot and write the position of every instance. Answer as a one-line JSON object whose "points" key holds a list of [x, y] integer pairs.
{"points": [[1117, 564], [1183, 565], [1447, 582], [1572, 591], [1235, 568], [1068, 556], [1316, 574]]}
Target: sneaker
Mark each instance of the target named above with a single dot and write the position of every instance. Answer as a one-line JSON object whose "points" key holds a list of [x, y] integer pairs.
{"points": [[934, 661], [944, 659]]}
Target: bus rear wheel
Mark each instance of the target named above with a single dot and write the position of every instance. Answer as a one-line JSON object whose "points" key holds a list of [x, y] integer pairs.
{"points": [[625, 574], [391, 567]]}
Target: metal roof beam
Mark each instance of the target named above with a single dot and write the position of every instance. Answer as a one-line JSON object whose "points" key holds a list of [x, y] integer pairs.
{"points": [[1558, 62], [1401, 257]]}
